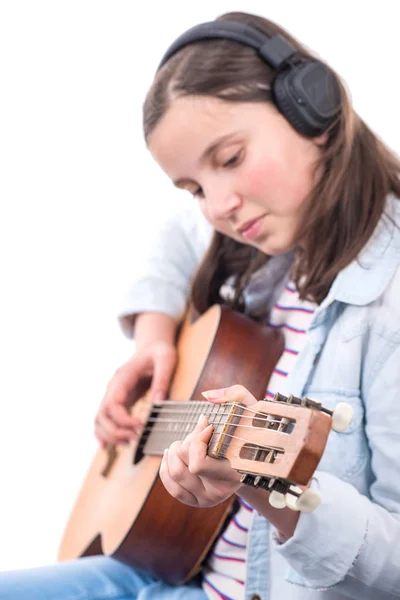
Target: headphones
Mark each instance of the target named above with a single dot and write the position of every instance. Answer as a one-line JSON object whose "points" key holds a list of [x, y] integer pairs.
{"points": [[304, 90]]}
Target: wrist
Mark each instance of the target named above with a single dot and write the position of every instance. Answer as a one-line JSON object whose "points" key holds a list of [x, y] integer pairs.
{"points": [[154, 327]]}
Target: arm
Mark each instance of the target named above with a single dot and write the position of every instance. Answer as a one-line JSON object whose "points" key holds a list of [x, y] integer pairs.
{"points": [[350, 543], [161, 283], [154, 327], [354, 545], [153, 306]]}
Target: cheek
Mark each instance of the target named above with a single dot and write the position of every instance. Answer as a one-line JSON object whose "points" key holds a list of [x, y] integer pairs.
{"points": [[261, 178], [276, 184]]}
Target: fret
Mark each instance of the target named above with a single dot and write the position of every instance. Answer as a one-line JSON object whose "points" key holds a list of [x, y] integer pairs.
{"points": [[218, 423], [226, 429], [175, 420]]}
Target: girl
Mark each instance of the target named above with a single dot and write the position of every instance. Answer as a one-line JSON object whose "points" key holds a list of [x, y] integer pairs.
{"points": [[303, 199]]}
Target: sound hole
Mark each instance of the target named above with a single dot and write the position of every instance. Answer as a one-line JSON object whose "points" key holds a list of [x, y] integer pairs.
{"points": [[139, 454]]}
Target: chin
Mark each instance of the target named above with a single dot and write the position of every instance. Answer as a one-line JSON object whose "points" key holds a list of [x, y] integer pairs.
{"points": [[274, 250], [275, 247]]}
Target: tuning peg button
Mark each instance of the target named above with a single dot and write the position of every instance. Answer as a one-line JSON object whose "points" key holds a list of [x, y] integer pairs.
{"points": [[298, 500], [308, 501], [277, 500], [341, 417]]}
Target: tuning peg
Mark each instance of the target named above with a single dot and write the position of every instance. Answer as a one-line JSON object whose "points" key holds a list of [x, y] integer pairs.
{"points": [[298, 500], [291, 498], [308, 501], [341, 417], [277, 500]]}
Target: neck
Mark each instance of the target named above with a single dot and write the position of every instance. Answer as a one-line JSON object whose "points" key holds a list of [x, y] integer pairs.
{"points": [[174, 420]]}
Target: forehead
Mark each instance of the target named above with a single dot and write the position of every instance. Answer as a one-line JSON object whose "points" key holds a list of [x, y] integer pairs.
{"points": [[192, 123], [191, 118]]}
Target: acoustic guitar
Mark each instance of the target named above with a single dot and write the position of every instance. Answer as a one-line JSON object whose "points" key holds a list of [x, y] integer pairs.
{"points": [[123, 508]]}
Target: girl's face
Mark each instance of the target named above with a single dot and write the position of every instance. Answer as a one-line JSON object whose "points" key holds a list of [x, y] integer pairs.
{"points": [[248, 168]]}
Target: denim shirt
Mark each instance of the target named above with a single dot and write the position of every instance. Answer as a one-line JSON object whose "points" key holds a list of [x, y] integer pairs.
{"points": [[350, 545]]}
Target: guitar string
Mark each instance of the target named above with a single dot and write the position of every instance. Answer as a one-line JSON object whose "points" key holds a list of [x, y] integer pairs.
{"points": [[256, 446], [214, 409], [146, 434], [175, 409], [174, 405], [147, 430], [190, 422], [196, 419]]}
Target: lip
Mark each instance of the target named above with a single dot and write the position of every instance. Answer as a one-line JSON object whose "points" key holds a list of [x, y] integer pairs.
{"points": [[251, 228]]}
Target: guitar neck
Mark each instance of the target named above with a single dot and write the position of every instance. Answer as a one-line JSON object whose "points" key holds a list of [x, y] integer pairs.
{"points": [[173, 421]]}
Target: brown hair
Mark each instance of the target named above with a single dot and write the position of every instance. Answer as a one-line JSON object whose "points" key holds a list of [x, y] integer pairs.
{"points": [[357, 171]]}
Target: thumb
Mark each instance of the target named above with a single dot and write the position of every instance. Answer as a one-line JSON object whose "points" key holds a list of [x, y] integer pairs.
{"points": [[234, 393], [203, 429], [163, 369]]}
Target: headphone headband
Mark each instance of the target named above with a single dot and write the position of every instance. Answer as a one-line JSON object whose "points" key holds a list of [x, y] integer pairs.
{"points": [[274, 50], [305, 90]]}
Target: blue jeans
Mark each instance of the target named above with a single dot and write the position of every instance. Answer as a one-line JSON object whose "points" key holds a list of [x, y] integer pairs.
{"points": [[91, 578]]}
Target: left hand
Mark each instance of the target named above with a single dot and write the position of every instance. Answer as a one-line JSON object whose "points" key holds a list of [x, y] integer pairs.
{"points": [[188, 473]]}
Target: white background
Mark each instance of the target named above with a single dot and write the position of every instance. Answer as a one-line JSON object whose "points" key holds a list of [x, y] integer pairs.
{"points": [[79, 192]]}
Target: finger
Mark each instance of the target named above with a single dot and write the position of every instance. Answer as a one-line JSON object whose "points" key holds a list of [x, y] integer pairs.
{"points": [[99, 437], [178, 469], [110, 432], [200, 463], [205, 466], [180, 473], [121, 417], [183, 449], [103, 437], [175, 489], [124, 380], [163, 368], [234, 393], [127, 377]]}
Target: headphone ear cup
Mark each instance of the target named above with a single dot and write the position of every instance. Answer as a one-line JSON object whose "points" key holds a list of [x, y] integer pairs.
{"points": [[284, 103], [308, 95]]}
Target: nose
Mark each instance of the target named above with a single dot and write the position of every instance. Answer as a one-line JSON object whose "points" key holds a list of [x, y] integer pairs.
{"points": [[222, 201]]}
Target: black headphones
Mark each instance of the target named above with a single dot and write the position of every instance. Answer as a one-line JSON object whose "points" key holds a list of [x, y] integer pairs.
{"points": [[304, 90]]}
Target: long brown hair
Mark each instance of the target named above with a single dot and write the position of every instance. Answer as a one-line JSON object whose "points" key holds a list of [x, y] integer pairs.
{"points": [[356, 170]]}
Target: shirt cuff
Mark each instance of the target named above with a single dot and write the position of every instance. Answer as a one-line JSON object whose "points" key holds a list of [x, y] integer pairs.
{"points": [[150, 296], [326, 542]]}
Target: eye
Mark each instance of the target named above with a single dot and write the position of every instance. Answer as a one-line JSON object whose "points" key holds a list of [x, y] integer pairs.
{"points": [[233, 160], [198, 193]]}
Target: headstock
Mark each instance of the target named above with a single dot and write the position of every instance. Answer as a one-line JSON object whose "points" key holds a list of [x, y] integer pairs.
{"points": [[277, 445]]}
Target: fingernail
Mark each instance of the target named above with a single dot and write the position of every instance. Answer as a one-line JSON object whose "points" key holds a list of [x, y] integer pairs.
{"points": [[202, 420], [213, 394]]}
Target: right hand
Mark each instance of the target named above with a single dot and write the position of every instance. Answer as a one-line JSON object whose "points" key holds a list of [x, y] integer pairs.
{"points": [[114, 423]]}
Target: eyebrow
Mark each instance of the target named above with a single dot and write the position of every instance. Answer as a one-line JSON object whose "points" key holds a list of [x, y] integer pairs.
{"points": [[207, 152]]}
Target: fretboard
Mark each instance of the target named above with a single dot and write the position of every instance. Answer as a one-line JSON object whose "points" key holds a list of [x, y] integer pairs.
{"points": [[174, 420]]}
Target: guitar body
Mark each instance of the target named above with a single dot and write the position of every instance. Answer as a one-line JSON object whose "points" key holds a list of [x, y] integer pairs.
{"points": [[123, 508]]}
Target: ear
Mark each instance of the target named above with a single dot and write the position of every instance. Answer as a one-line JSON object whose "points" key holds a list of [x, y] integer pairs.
{"points": [[321, 139]]}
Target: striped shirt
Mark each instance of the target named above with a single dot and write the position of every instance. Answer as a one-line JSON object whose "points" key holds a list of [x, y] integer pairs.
{"points": [[225, 571]]}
